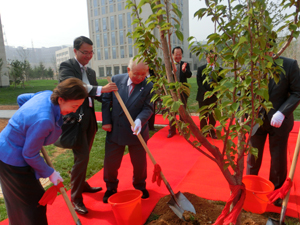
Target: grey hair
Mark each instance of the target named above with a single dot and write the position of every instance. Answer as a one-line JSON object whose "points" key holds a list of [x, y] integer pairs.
{"points": [[133, 62]]}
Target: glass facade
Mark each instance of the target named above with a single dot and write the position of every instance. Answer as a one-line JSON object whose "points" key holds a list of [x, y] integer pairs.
{"points": [[122, 52], [114, 52], [113, 38], [104, 24], [112, 22], [121, 37], [98, 40], [116, 70], [105, 41], [108, 71], [101, 71], [106, 53], [97, 29], [98, 54], [128, 19], [120, 16]]}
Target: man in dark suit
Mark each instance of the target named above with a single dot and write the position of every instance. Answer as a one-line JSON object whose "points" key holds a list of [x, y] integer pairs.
{"points": [[76, 67], [182, 73], [278, 123], [204, 86], [136, 95]]}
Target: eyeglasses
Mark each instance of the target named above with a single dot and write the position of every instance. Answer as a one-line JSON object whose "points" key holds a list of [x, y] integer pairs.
{"points": [[86, 53]]}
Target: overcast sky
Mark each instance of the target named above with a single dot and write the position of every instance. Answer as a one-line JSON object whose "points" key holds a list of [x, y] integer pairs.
{"points": [[57, 22]]}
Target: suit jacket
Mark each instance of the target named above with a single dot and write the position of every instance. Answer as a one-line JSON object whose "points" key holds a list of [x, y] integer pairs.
{"points": [[71, 68], [204, 87], [138, 105], [285, 95]]}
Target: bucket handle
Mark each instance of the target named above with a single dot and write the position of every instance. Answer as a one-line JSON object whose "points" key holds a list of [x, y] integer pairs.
{"points": [[259, 197]]}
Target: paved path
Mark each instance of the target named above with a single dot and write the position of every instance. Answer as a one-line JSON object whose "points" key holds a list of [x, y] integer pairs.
{"points": [[6, 114]]}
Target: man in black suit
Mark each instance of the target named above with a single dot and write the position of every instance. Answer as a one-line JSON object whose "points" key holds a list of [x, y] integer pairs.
{"points": [[278, 123], [76, 67], [204, 85], [182, 73], [136, 95]]}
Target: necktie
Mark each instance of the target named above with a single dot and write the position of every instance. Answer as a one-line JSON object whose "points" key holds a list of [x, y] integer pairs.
{"points": [[84, 76], [131, 88]]}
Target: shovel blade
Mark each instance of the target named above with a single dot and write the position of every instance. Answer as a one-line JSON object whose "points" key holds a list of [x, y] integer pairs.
{"points": [[274, 222], [179, 203]]}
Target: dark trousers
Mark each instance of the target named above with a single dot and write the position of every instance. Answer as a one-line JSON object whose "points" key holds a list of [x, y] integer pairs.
{"points": [[278, 151], [112, 161], [151, 121], [22, 192], [81, 160], [210, 116]]}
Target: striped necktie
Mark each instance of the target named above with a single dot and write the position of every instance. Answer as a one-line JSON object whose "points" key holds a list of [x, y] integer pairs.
{"points": [[131, 88]]}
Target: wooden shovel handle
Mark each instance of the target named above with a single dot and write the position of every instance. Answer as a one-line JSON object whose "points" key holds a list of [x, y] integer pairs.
{"points": [[62, 189], [139, 135], [292, 169]]}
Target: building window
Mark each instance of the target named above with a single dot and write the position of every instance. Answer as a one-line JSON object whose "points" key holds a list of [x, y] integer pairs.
{"points": [[112, 22], [97, 25], [121, 37], [98, 40], [105, 39], [101, 71], [124, 69], [120, 7], [116, 70], [111, 8], [129, 38], [104, 23], [106, 53], [130, 51], [128, 19], [96, 12], [95, 3], [122, 52], [108, 71], [114, 52], [113, 38], [102, 2], [120, 21], [103, 10], [99, 55]]}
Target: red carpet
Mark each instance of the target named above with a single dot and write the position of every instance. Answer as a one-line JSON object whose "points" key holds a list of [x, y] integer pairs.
{"points": [[186, 169]]}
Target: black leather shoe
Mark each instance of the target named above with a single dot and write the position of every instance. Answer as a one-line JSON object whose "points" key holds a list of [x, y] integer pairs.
{"points": [[92, 189], [145, 194], [278, 202], [171, 134], [108, 193], [80, 208]]}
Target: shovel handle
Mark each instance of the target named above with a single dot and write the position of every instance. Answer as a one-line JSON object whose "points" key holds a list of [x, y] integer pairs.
{"points": [[62, 190], [139, 135]]}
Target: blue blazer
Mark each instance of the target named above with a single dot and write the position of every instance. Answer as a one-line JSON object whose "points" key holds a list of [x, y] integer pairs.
{"points": [[35, 124], [138, 105]]}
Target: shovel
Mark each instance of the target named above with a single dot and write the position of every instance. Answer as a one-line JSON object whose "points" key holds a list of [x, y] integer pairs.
{"points": [[178, 202], [62, 191], [286, 198]]}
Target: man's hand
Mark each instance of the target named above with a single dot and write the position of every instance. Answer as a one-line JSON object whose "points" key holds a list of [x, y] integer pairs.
{"points": [[277, 119], [55, 177], [109, 88], [107, 127], [138, 127], [183, 67]]}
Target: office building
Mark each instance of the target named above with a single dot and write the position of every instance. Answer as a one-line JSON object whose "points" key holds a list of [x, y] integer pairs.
{"points": [[109, 23]]}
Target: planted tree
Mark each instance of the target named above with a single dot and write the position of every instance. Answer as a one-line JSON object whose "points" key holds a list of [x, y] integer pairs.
{"points": [[246, 34]]}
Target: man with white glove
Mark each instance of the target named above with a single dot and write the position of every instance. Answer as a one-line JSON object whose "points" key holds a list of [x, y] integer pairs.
{"points": [[138, 127], [277, 123], [55, 177], [136, 94]]}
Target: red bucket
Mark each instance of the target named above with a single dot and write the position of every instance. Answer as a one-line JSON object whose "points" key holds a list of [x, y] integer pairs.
{"points": [[126, 206], [257, 189]]}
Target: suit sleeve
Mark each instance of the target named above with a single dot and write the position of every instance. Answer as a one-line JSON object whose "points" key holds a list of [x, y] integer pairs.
{"points": [[106, 107], [187, 72], [293, 100], [148, 108]]}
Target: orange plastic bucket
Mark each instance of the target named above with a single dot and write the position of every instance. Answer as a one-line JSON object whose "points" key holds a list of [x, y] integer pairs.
{"points": [[127, 208], [257, 189]]}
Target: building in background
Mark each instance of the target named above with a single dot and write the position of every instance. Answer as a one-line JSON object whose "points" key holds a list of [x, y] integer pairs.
{"points": [[63, 55], [109, 23], [4, 77]]}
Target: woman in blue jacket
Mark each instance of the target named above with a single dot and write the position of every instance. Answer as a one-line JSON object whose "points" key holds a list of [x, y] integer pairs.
{"points": [[37, 123]]}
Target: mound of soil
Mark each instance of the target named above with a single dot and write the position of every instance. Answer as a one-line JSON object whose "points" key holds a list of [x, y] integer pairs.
{"points": [[207, 212]]}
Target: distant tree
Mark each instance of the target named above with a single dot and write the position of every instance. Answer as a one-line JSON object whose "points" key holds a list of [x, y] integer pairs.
{"points": [[41, 70], [17, 72], [49, 73]]}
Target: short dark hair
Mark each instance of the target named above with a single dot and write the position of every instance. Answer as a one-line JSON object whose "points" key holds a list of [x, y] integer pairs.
{"points": [[69, 89], [177, 47], [80, 40]]}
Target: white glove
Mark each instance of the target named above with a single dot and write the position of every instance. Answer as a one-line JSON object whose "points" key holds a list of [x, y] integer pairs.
{"points": [[55, 177], [138, 127], [277, 119]]}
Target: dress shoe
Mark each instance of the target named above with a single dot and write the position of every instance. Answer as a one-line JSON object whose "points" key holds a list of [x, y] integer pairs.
{"points": [[171, 134], [145, 194], [107, 194], [80, 207], [278, 202], [92, 189]]}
